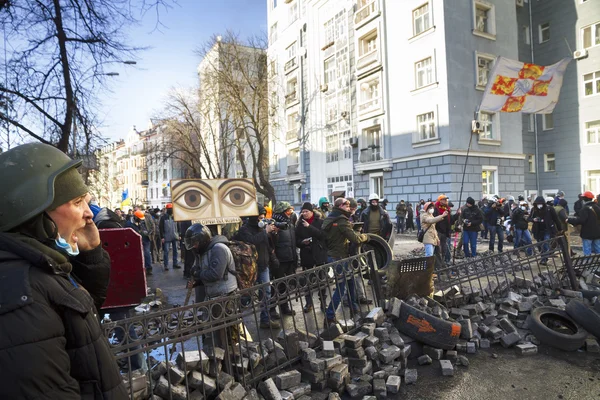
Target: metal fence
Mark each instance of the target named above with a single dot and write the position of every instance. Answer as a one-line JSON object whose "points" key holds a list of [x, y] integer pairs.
{"points": [[489, 277], [183, 351]]}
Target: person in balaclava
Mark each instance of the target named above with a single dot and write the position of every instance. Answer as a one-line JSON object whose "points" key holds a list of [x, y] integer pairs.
{"points": [[258, 235], [375, 219], [545, 225], [54, 278], [324, 206]]}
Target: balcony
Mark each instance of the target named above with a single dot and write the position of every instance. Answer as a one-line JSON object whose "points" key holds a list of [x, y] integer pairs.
{"points": [[291, 98], [370, 154], [366, 13], [291, 135], [293, 169], [368, 59], [370, 105], [291, 64]]}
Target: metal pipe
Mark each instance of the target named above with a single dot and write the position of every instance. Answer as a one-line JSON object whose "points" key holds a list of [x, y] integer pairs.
{"points": [[535, 130]]}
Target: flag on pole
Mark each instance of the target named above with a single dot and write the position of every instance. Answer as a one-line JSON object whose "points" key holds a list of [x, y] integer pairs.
{"points": [[514, 86], [125, 199]]}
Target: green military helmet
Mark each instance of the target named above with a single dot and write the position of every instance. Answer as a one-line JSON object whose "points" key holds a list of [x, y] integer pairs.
{"points": [[28, 176]]}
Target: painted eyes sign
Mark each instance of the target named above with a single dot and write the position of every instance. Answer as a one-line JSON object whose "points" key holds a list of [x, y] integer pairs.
{"points": [[213, 201]]}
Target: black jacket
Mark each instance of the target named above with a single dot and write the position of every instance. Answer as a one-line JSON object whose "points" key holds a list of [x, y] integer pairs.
{"points": [[547, 221], [589, 219], [578, 206], [474, 215], [493, 215], [385, 225], [518, 219], [51, 343], [314, 253], [252, 234], [285, 241]]}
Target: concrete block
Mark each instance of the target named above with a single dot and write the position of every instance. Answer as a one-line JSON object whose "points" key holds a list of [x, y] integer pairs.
{"points": [[379, 388], [328, 349], [224, 380], [510, 339], [393, 384], [193, 360], [355, 341], [356, 353], [484, 343], [471, 348], [424, 360], [176, 392], [466, 330], [451, 355], [285, 395], [269, 390], [235, 392], [591, 345], [202, 382], [303, 389], [394, 308], [389, 354], [410, 376], [175, 375], [371, 340], [309, 354], [526, 349], [447, 368], [288, 379], [376, 316], [359, 389]]}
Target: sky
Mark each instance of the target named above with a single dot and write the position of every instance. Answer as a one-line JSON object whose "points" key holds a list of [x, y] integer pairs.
{"points": [[138, 92]]}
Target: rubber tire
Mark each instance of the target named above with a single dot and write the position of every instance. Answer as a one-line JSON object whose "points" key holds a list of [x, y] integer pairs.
{"points": [[584, 316], [445, 335], [383, 251], [552, 338]]}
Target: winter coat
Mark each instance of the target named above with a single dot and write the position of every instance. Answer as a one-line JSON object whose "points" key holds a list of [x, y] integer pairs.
{"points": [[444, 225], [140, 229], [385, 225], [428, 222], [107, 219], [589, 219], [285, 241], [252, 234], [339, 233], [578, 206], [494, 215], [314, 253], [474, 215], [168, 228], [213, 267], [562, 214], [401, 210], [51, 343], [547, 221], [518, 219]]}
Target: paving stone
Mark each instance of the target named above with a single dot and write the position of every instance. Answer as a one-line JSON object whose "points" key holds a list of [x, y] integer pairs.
{"points": [[507, 326], [510, 339], [461, 346], [435, 354], [355, 341], [333, 396], [356, 353], [591, 345], [332, 361], [424, 360], [513, 312], [397, 340], [451, 355], [379, 388], [405, 352], [376, 316], [224, 380], [495, 333], [311, 376], [410, 376], [176, 392], [235, 392], [332, 331], [367, 369], [199, 381], [285, 395], [301, 390], [462, 360], [251, 395], [339, 372], [471, 348], [389, 354], [382, 334], [358, 362], [269, 390], [316, 365], [447, 367], [394, 307], [288, 379], [393, 384], [371, 353], [368, 328], [359, 389], [328, 348], [193, 360], [526, 349], [557, 303], [309, 354], [466, 330]]}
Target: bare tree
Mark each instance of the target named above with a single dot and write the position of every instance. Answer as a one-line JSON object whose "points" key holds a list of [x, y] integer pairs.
{"points": [[57, 64]]}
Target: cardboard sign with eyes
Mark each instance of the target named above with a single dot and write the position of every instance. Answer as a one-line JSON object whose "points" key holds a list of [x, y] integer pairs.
{"points": [[217, 200]]}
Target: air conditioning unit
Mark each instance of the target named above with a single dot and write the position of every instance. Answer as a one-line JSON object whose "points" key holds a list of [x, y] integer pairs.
{"points": [[324, 88], [353, 141], [520, 3], [475, 126], [577, 54], [344, 114]]}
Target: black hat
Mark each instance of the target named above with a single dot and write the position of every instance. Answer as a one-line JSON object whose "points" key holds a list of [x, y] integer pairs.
{"points": [[307, 206], [261, 210], [471, 201]]}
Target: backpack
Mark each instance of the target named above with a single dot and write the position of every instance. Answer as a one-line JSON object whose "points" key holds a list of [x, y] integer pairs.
{"points": [[245, 258]]}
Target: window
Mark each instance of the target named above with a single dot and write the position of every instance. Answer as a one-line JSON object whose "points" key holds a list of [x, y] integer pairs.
{"points": [[294, 157], [544, 32], [329, 68], [340, 25], [591, 35], [332, 110], [346, 147], [487, 125], [164, 174], [426, 126], [549, 162], [592, 132], [367, 43], [293, 12], [484, 23], [377, 185], [275, 162], [547, 122], [484, 66], [369, 95], [591, 83], [488, 180], [531, 162], [332, 148], [291, 90], [291, 51], [372, 148], [421, 20], [273, 4], [423, 73], [292, 131], [343, 67], [526, 35], [593, 181], [273, 33], [328, 30], [531, 125]]}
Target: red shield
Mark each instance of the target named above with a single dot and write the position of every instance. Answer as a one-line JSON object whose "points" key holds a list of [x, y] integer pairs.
{"points": [[127, 285]]}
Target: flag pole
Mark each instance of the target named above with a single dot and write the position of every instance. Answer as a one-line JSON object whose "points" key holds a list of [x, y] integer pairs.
{"points": [[535, 127], [462, 183]]}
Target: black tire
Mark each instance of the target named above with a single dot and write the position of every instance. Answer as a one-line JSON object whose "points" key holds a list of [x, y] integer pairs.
{"points": [[573, 338], [584, 316], [428, 329], [383, 251]]}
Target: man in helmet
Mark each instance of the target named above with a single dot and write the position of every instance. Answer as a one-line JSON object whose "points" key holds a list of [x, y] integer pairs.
{"points": [[324, 206], [589, 219], [170, 236], [53, 278], [138, 224], [375, 219]]}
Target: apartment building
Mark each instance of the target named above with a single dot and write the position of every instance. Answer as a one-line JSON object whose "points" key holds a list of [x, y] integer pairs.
{"points": [[387, 91]]}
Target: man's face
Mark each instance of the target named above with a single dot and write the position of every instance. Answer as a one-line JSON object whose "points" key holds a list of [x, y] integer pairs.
{"points": [[261, 217], [444, 202], [72, 216], [306, 214], [345, 205], [289, 211], [374, 203], [325, 205]]}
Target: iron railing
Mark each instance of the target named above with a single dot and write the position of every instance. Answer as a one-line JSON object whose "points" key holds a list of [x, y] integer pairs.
{"points": [[228, 329]]}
